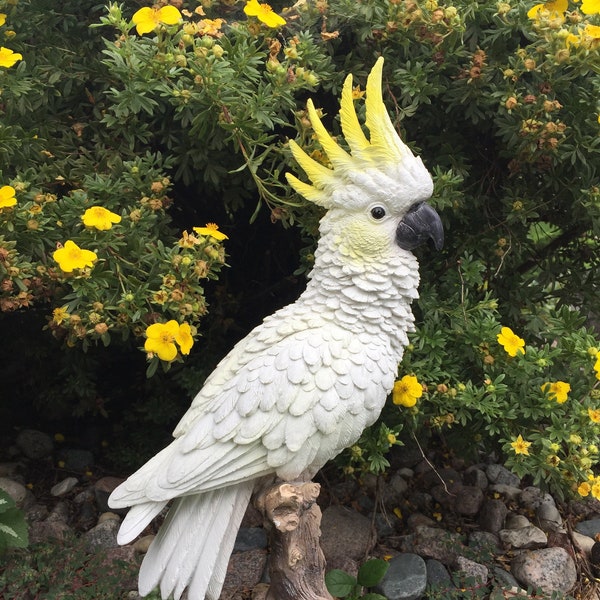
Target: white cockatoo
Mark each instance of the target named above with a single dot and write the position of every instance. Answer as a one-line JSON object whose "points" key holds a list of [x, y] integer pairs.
{"points": [[303, 385]]}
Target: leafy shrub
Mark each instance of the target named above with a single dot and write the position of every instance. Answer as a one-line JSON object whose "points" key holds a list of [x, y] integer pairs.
{"points": [[175, 126]]}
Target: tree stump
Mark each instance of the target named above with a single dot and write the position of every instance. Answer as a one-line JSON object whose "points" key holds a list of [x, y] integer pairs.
{"points": [[292, 519]]}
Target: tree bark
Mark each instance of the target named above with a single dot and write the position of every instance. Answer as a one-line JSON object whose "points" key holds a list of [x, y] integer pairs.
{"points": [[293, 518]]}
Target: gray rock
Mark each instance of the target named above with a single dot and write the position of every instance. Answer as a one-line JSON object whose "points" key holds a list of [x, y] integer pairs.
{"points": [[406, 473], [103, 488], [108, 516], [531, 497], [437, 574], [60, 513], [415, 519], [591, 527], [548, 515], [250, 538], [34, 444], [8, 469], [103, 535], [468, 500], [406, 578], [504, 579], [141, 546], [245, 570], [469, 571], [64, 487], [384, 524], [501, 475], [446, 477], [525, 538], [432, 542], [484, 541], [37, 512], [550, 569], [582, 542], [43, 531], [516, 521], [77, 460], [509, 492], [17, 491], [345, 532], [492, 515], [477, 477]]}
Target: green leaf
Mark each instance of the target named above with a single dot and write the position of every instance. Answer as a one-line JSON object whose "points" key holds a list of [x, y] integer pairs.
{"points": [[373, 596], [339, 583], [372, 572], [13, 528], [6, 501]]}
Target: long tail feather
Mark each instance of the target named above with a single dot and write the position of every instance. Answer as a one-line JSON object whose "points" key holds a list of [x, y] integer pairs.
{"points": [[194, 544]]}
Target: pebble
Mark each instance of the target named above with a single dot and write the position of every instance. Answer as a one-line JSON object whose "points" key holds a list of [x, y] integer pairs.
{"points": [[524, 538], [142, 544], [15, 490], [64, 487], [591, 527], [433, 542], [550, 569], [406, 578], [492, 515], [469, 500], [34, 444], [437, 574], [498, 474], [250, 538], [345, 533], [103, 488], [469, 571], [102, 536]]}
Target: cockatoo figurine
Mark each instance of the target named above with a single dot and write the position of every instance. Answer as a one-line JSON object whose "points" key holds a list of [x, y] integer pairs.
{"points": [[303, 385]]}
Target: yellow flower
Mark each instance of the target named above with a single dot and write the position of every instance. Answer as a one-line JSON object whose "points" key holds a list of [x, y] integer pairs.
{"points": [[147, 19], [406, 391], [554, 6], [597, 364], [590, 7], [558, 390], [7, 196], [596, 489], [2, 19], [161, 339], [100, 218], [594, 415], [8, 58], [584, 489], [71, 257], [264, 13], [211, 27], [211, 230], [520, 446], [59, 315], [575, 439], [592, 32], [184, 338], [391, 438], [511, 342]]}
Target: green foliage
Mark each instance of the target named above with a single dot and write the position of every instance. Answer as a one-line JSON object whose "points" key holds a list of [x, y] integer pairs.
{"points": [[189, 124], [343, 585], [33, 573], [13, 527]]}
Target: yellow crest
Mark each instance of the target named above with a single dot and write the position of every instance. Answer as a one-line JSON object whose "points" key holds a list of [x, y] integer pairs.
{"points": [[380, 167]]}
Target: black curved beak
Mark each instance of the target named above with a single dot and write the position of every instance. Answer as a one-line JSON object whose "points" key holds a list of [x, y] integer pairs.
{"points": [[420, 224]]}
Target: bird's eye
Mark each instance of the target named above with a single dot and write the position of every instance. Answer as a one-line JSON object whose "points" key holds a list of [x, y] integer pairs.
{"points": [[378, 212]]}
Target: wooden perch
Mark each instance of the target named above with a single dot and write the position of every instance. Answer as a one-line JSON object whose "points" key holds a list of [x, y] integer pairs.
{"points": [[293, 518]]}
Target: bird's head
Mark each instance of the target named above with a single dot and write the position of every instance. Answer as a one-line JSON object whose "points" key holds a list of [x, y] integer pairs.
{"points": [[375, 194]]}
